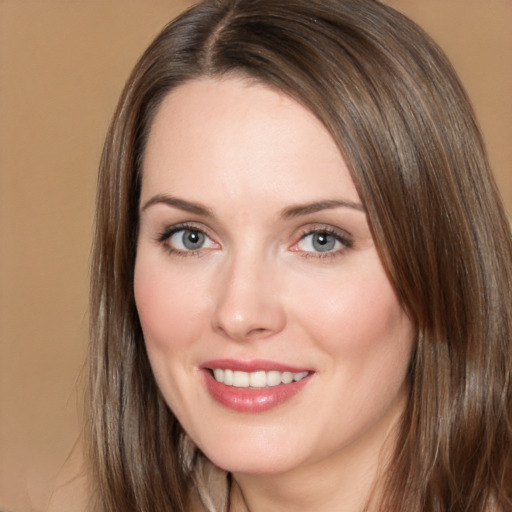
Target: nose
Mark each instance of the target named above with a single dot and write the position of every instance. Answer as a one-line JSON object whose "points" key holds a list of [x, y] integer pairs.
{"points": [[248, 304]]}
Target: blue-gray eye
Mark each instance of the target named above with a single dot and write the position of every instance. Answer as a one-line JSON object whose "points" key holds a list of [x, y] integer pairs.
{"points": [[320, 241], [189, 240]]}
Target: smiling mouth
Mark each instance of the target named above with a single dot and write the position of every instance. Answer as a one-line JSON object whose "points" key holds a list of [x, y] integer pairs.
{"points": [[253, 386], [257, 379]]}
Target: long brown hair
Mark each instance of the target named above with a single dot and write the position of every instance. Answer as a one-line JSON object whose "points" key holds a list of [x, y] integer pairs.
{"points": [[405, 127]]}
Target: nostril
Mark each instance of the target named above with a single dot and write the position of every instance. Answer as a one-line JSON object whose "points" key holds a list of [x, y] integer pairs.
{"points": [[258, 331]]}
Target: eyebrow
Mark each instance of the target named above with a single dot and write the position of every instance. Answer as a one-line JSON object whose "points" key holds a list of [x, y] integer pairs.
{"points": [[289, 212], [306, 209], [181, 204]]}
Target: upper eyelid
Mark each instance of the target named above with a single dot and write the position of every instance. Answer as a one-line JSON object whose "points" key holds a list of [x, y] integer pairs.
{"points": [[183, 226], [342, 236], [327, 228]]}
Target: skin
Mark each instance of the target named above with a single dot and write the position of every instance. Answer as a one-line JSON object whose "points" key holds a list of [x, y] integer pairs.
{"points": [[258, 288]]}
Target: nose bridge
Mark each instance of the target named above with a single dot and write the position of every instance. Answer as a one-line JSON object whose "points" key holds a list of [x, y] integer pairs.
{"points": [[248, 305]]}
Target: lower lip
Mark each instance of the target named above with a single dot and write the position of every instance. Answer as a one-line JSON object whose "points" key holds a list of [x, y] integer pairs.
{"points": [[252, 399]]}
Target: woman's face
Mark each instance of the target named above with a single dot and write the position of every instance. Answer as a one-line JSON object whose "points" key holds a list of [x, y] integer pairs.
{"points": [[270, 324]]}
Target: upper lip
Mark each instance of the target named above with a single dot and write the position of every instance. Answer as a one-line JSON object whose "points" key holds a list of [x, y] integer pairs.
{"points": [[252, 366]]}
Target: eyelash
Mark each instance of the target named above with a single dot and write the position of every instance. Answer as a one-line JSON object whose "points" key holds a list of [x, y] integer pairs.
{"points": [[343, 239], [164, 237]]}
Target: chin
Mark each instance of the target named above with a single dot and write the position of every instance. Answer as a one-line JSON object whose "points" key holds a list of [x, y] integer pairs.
{"points": [[247, 464], [254, 454]]}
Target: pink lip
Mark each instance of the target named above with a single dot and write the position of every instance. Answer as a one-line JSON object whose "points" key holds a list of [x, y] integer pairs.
{"points": [[251, 399], [251, 366]]}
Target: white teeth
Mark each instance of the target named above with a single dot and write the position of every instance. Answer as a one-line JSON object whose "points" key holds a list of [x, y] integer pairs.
{"points": [[299, 376], [259, 379], [228, 377], [273, 378], [219, 374], [287, 377], [241, 379]]}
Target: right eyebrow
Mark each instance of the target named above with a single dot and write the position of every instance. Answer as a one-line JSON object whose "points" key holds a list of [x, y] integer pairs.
{"points": [[306, 209], [176, 202]]}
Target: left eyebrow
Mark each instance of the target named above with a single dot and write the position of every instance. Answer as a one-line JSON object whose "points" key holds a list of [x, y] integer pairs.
{"points": [[306, 209], [180, 204]]}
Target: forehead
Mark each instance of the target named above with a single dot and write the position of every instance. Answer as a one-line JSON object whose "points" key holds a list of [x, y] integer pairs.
{"points": [[233, 135]]}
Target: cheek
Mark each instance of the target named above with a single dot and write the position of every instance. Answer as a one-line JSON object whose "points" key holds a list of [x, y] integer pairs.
{"points": [[366, 340], [168, 303], [357, 319]]}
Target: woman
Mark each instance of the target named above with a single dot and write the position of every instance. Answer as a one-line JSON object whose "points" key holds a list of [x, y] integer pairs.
{"points": [[302, 273]]}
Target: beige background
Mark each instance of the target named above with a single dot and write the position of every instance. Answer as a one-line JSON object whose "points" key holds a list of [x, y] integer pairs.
{"points": [[62, 66]]}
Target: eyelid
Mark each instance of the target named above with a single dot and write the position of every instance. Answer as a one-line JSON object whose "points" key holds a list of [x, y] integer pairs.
{"points": [[170, 230], [164, 236], [341, 235]]}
